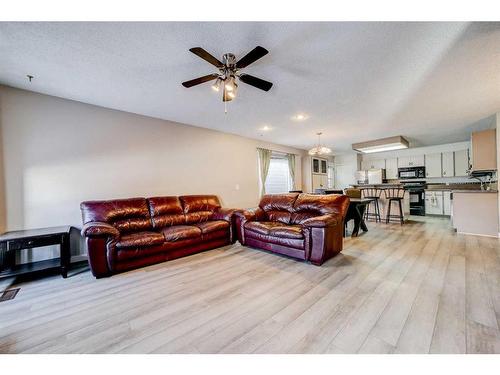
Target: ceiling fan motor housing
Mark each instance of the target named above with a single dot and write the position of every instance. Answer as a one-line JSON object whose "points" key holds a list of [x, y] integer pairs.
{"points": [[229, 60]]}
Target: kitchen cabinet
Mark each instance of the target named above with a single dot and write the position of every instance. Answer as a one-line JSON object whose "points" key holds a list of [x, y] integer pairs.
{"points": [[447, 203], [433, 202], [448, 164], [461, 162], [319, 165], [433, 165], [391, 169], [373, 164], [319, 181], [411, 161], [484, 150]]}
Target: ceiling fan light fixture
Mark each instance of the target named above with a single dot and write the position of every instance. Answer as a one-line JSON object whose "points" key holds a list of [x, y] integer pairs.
{"points": [[230, 84], [216, 85]]}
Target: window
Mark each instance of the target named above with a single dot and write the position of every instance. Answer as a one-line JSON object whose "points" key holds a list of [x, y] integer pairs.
{"points": [[278, 178], [330, 176]]}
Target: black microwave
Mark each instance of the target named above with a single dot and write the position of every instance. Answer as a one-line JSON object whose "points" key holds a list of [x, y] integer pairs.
{"points": [[411, 172]]}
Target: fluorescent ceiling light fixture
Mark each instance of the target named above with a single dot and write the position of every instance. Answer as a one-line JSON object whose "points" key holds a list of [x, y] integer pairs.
{"points": [[379, 145]]}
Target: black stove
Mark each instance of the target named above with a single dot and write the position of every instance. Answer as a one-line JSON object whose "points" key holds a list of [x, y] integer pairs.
{"points": [[416, 190]]}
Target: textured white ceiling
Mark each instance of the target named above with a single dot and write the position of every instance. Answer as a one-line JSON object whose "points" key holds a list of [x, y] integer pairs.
{"points": [[431, 82]]}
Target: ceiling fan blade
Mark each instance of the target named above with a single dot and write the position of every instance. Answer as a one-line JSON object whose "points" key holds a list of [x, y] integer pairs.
{"points": [[199, 80], [198, 51], [256, 82], [252, 56]]}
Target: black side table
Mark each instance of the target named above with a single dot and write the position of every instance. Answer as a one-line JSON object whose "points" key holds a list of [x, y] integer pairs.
{"points": [[356, 212], [10, 242]]}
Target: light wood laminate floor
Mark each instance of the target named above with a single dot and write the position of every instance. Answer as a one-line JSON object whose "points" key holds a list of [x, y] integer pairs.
{"points": [[419, 288]]}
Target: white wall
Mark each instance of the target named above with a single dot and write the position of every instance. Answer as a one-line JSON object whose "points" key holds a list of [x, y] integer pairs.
{"points": [[497, 125], [57, 153], [346, 166]]}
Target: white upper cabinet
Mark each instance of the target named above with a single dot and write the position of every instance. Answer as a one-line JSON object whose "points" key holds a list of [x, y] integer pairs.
{"points": [[411, 161], [461, 162], [433, 165], [448, 164], [373, 164], [391, 169]]}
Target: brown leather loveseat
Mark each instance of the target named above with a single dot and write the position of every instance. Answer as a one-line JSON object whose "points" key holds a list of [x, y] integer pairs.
{"points": [[304, 226], [124, 234]]}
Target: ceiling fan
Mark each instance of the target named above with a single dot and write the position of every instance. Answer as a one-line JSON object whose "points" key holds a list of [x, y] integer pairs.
{"points": [[229, 72]]}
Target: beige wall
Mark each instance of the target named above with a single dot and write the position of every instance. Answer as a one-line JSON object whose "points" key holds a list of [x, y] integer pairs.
{"points": [[57, 153]]}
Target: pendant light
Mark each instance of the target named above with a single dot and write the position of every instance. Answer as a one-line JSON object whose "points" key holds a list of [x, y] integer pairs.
{"points": [[319, 150]]}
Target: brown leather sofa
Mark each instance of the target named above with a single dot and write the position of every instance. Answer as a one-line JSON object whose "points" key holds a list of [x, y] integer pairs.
{"points": [[124, 234], [304, 226]]}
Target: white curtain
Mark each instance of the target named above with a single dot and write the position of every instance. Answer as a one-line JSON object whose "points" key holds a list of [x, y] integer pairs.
{"points": [[291, 168], [264, 162]]}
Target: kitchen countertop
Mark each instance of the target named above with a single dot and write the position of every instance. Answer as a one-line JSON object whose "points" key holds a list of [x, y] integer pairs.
{"points": [[476, 191], [376, 185]]}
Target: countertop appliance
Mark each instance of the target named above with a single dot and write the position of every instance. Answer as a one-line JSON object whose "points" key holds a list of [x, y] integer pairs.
{"points": [[416, 190], [411, 173]]}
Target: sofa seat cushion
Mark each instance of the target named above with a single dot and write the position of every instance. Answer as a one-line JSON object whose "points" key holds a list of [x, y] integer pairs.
{"points": [[281, 241], [181, 232], [213, 226], [140, 239], [276, 229]]}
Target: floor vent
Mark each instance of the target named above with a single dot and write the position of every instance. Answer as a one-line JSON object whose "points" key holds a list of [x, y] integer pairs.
{"points": [[9, 294]]}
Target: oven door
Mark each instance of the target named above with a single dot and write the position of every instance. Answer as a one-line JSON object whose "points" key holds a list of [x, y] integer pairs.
{"points": [[417, 202]]}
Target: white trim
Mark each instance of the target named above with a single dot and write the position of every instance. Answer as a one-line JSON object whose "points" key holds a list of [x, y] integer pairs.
{"points": [[480, 235]]}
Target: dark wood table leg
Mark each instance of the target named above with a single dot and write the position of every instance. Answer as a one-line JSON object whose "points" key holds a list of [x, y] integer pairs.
{"points": [[65, 255], [358, 220], [362, 223]]}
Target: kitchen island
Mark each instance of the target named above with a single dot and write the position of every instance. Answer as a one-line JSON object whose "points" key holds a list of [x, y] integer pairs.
{"points": [[384, 202], [475, 212]]}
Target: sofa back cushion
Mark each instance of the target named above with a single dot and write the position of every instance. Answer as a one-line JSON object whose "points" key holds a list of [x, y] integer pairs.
{"points": [[278, 207], [126, 215], [166, 211], [198, 208], [311, 205]]}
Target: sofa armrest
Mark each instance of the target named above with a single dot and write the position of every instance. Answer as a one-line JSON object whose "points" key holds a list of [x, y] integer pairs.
{"points": [[243, 216], [322, 221], [100, 229], [223, 214]]}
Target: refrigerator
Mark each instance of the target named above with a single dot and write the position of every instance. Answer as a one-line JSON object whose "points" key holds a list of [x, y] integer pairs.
{"points": [[376, 176]]}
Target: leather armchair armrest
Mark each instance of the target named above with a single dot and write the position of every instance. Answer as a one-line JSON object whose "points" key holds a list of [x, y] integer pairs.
{"points": [[223, 214], [251, 214], [323, 221], [245, 215], [99, 229]]}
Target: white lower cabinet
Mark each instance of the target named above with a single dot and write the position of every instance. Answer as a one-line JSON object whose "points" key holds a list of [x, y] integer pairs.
{"points": [[319, 181], [447, 203], [437, 202]]}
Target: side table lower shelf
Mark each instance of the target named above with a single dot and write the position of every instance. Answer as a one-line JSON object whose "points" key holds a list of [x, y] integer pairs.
{"points": [[43, 265]]}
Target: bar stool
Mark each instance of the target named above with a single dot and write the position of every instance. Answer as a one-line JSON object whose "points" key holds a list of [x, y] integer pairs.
{"points": [[373, 194], [394, 195]]}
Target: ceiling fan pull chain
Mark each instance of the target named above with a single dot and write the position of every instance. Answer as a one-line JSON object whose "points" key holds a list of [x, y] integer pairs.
{"points": [[225, 108]]}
